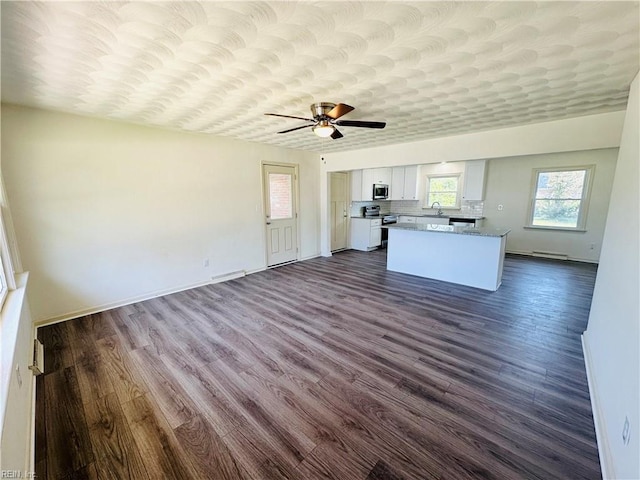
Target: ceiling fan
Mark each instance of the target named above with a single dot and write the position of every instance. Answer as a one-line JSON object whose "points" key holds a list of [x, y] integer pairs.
{"points": [[325, 118]]}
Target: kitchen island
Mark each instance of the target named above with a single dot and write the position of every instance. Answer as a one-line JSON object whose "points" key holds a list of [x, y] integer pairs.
{"points": [[463, 255]]}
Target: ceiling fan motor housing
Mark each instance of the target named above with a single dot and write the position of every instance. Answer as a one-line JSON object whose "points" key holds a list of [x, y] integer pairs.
{"points": [[321, 109]]}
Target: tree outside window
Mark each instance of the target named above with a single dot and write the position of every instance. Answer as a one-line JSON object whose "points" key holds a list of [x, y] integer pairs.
{"points": [[560, 198], [443, 189]]}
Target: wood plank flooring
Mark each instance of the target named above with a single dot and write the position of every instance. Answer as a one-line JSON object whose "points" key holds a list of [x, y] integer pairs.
{"points": [[328, 368]]}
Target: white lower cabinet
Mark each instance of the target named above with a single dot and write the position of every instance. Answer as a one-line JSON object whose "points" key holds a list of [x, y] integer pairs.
{"points": [[366, 233], [466, 222], [423, 220]]}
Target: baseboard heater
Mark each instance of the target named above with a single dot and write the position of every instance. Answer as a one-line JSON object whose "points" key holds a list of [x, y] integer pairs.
{"points": [[555, 256], [228, 276], [38, 358]]}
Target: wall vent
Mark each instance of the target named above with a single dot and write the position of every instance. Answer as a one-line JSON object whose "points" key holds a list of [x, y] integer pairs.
{"points": [[554, 255]]}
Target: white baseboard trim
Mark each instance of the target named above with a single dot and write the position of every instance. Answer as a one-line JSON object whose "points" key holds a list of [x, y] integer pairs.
{"points": [[142, 298], [148, 296], [309, 257], [532, 254], [604, 452]]}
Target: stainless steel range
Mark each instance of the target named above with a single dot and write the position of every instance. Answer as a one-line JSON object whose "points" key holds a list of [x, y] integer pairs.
{"points": [[387, 220], [373, 211]]}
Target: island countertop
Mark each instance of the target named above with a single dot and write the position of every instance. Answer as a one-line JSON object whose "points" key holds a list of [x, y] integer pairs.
{"points": [[484, 232], [444, 215]]}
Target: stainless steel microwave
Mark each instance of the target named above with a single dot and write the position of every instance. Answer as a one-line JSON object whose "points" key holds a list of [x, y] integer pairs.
{"points": [[380, 191]]}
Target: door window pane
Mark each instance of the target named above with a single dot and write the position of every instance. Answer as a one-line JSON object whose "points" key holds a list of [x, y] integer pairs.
{"points": [[280, 196]]}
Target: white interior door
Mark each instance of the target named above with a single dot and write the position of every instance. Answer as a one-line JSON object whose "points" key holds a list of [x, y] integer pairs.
{"points": [[281, 213], [339, 194]]}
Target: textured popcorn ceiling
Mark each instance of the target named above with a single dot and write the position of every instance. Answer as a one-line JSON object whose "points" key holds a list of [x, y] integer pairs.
{"points": [[428, 69]]}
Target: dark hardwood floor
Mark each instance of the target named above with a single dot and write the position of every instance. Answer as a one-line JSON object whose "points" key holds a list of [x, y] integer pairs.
{"points": [[328, 368]]}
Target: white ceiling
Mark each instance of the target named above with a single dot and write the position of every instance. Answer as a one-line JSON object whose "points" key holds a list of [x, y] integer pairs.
{"points": [[429, 69]]}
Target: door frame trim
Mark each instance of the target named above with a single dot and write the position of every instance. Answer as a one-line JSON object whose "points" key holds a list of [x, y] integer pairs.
{"points": [[296, 195]]}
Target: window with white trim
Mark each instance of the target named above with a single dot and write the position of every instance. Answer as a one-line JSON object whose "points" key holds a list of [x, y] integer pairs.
{"points": [[443, 189], [7, 278], [4, 288], [560, 198]]}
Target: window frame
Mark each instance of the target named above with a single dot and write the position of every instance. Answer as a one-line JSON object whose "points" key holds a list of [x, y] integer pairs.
{"points": [[583, 209], [7, 266], [457, 176], [7, 278]]}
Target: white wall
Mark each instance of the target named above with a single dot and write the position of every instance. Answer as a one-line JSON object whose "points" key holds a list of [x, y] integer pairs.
{"points": [[106, 212], [16, 399], [508, 183], [574, 134], [612, 339]]}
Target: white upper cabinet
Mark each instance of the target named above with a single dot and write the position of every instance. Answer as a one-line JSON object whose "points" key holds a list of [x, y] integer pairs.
{"points": [[379, 175], [367, 184], [411, 174], [404, 183], [356, 186], [362, 182], [474, 175], [396, 188]]}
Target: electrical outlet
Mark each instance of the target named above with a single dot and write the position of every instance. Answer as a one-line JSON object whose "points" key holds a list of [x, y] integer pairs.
{"points": [[626, 431], [206, 262], [18, 376], [500, 207], [592, 246]]}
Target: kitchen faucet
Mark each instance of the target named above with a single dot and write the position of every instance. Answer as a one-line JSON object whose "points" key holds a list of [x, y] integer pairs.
{"points": [[439, 212]]}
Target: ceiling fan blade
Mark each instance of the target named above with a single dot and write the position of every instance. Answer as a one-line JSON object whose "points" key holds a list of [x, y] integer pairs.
{"points": [[297, 128], [339, 110], [336, 134], [289, 116], [360, 123]]}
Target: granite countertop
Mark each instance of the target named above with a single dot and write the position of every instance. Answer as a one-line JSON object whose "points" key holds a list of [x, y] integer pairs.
{"points": [[432, 215], [483, 232], [466, 217]]}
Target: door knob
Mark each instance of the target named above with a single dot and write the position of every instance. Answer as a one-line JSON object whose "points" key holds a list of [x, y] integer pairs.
{"points": [[268, 223]]}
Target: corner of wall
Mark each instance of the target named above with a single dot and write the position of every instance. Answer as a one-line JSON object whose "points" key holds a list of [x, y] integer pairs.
{"points": [[604, 450], [16, 415]]}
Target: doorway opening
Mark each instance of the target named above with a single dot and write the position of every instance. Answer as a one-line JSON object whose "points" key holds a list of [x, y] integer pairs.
{"points": [[338, 200]]}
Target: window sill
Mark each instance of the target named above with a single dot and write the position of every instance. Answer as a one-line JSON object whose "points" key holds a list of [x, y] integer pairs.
{"points": [[555, 229]]}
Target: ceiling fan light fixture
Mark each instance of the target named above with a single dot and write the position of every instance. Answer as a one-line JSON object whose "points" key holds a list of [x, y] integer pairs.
{"points": [[324, 130]]}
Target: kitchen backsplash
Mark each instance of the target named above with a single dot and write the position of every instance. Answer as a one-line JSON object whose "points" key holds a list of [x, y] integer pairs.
{"points": [[356, 207], [470, 208]]}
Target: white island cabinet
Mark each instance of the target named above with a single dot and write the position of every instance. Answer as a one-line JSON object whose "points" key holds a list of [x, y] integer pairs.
{"points": [[463, 255]]}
